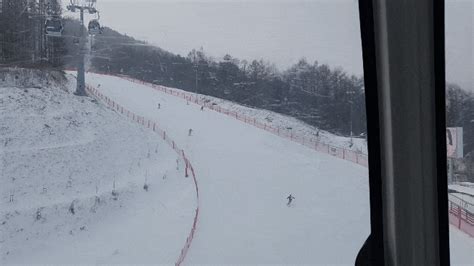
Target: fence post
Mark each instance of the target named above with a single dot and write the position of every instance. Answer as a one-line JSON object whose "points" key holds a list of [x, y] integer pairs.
{"points": [[186, 167], [459, 217]]}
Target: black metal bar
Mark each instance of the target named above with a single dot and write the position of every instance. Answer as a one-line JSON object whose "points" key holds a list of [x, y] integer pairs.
{"points": [[375, 244]]}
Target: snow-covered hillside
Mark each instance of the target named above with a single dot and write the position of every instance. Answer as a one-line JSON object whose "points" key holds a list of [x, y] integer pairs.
{"points": [[61, 158], [245, 174], [61, 151], [290, 125], [285, 124]]}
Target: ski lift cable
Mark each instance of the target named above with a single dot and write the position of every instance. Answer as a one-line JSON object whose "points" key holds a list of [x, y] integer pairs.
{"points": [[315, 94]]}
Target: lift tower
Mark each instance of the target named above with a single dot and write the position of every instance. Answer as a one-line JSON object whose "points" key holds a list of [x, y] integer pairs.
{"points": [[89, 6]]}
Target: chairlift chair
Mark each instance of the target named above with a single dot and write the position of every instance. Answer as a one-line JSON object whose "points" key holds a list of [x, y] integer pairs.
{"points": [[94, 27], [54, 27], [92, 10]]}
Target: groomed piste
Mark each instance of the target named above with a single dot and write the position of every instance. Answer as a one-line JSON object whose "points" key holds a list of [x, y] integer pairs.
{"points": [[245, 173], [215, 196]]}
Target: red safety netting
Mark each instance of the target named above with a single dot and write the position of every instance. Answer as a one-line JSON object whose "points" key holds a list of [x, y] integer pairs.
{"points": [[312, 143], [188, 170], [461, 215]]}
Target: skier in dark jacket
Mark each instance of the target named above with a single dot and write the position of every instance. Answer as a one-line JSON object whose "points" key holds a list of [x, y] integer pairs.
{"points": [[290, 199]]}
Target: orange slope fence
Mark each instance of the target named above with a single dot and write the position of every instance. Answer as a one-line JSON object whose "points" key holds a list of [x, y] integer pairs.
{"points": [[188, 169], [312, 143], [461, 214]]}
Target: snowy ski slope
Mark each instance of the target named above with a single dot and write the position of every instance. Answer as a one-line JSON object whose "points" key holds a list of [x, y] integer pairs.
{"points": [[75, 148], [244, 175], [59, 150]]}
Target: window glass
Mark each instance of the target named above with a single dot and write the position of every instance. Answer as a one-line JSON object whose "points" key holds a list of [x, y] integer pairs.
{"points": [[195, 132], [460, 131]]}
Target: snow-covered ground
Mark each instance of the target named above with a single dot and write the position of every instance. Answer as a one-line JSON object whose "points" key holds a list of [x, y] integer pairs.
{"points": [[463, 187], [290, 124], [464, 200], [60, 157], [244, 175], [464, 195], [461, 247]]}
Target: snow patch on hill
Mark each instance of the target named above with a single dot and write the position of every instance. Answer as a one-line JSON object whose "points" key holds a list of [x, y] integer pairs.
{"points": [[232, 157], [287, 123], [295, 126], [72, 178]]}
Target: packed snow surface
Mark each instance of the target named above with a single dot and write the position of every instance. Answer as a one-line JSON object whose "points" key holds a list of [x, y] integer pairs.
{"points": [[61, 157], [60, 150], [464, 195], [461, 247], [463, 187], [291, 125], [245, 175]]}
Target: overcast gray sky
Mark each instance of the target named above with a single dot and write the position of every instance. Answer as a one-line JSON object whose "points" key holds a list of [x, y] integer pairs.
{"points": [[280, 31]]}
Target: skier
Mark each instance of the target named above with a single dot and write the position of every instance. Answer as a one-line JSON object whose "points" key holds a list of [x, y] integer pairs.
{"points": [[159, 106], [290, 199], [202, 108], [190, 132]]}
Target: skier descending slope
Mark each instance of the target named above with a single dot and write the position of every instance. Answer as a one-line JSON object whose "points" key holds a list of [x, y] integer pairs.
{"points": [[190, 132], [290, 199]]}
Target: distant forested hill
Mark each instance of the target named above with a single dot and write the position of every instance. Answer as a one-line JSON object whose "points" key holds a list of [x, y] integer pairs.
{"points": [[315, 93]]}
